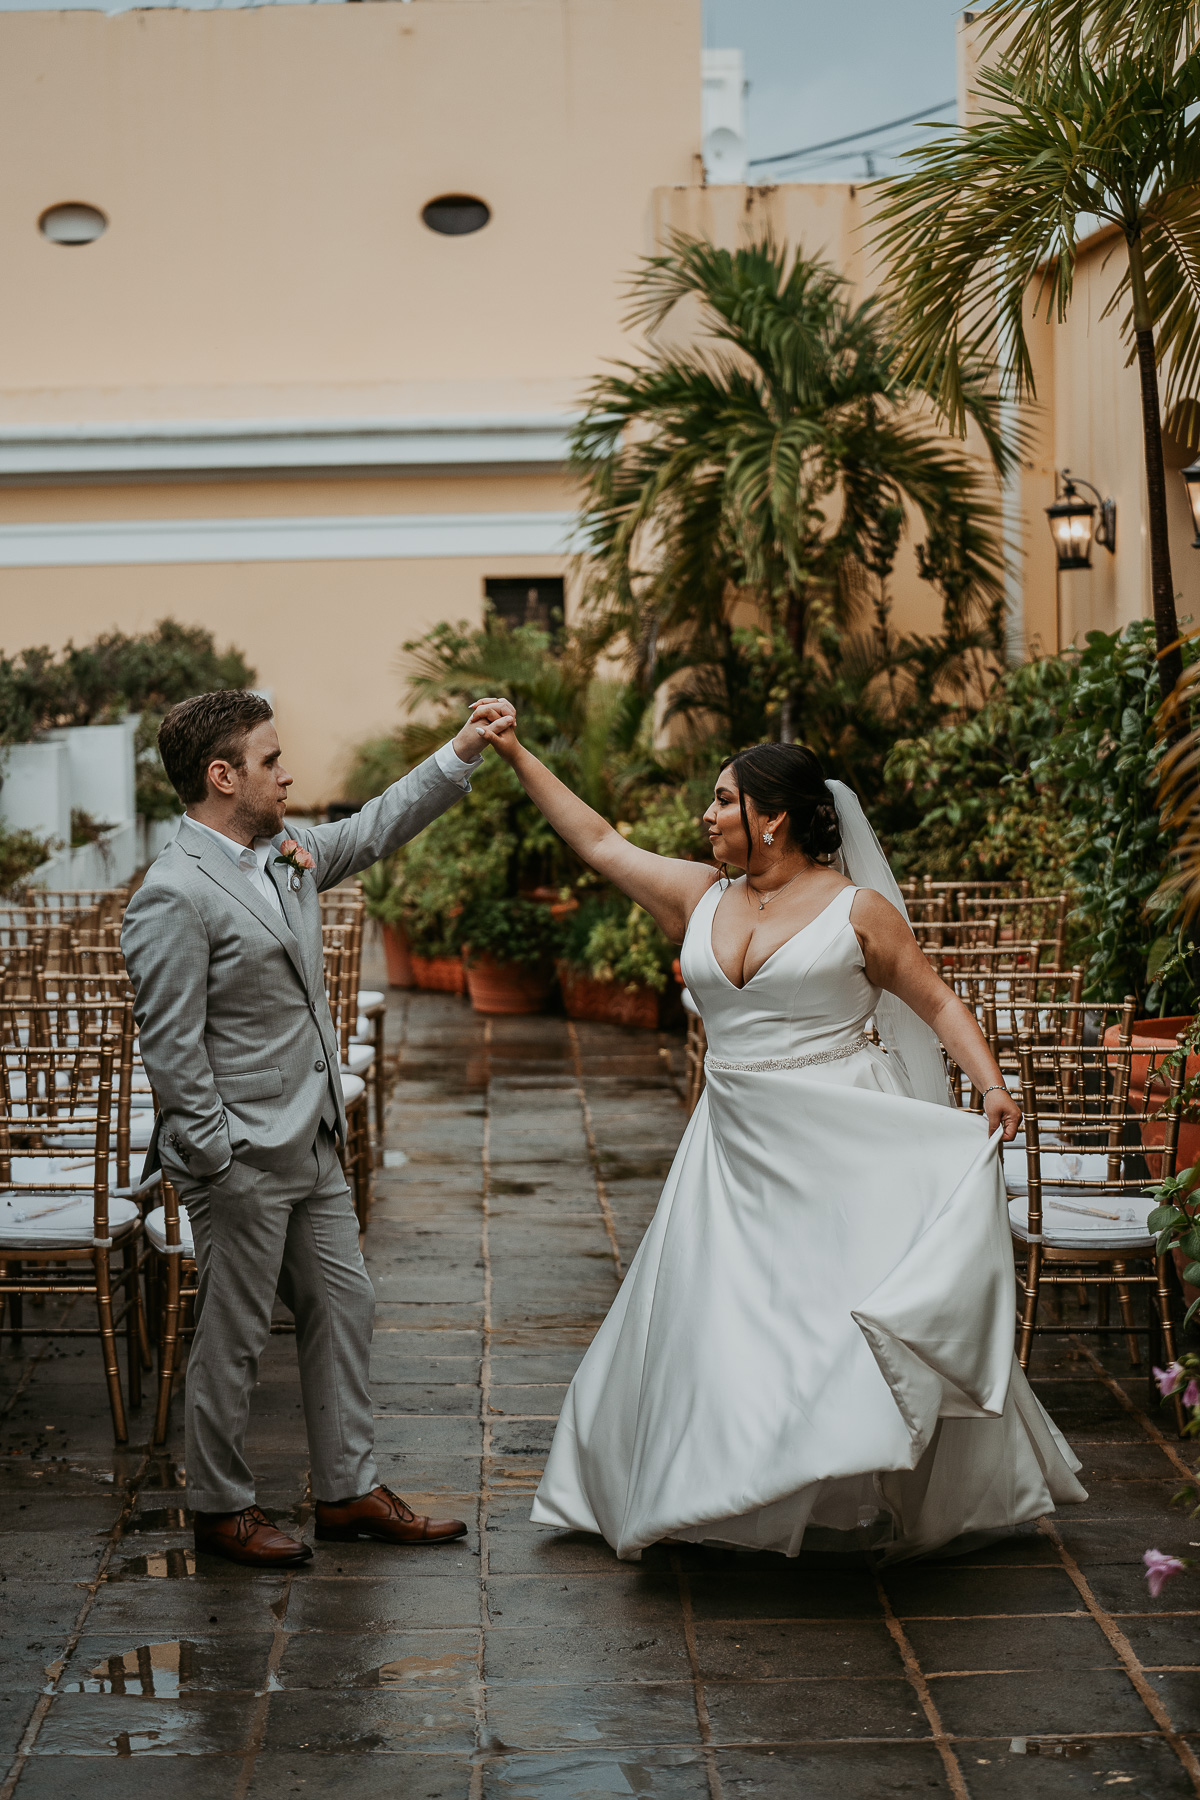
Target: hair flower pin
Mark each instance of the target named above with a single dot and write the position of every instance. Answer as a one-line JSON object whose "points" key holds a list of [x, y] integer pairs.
{"points": [[295, 858]]}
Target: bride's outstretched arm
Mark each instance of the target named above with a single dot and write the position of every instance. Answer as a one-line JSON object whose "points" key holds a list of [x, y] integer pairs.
{"points": [[668, 887], [894, 961]]}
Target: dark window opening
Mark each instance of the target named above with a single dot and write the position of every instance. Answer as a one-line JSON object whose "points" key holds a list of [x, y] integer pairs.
{"points": [[454, 215], [527, 600]]}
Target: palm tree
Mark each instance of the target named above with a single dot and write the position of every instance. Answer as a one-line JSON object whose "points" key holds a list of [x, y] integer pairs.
{"points": [[773, 460], [1033, 30], [1082, 129]]}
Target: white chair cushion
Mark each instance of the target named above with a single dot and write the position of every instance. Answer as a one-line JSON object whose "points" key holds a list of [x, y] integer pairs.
{"points": [[371, 1000], [68, 1222], [1069, 1221], [361, 1057], [352, 1088], [36, 1169], [141, 1128], [156, 1230], [1069, 1165], [363, 1031]]}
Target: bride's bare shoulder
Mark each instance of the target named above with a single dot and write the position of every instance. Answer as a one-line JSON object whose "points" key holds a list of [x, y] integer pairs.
{"points": [[876, 914]]}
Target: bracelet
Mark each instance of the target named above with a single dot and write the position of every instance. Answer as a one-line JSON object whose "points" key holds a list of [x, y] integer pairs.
{"points": [[997, 1087]]}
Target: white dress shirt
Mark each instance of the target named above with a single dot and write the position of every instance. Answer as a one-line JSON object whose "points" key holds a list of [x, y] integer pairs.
{"points": [[253, 859]]}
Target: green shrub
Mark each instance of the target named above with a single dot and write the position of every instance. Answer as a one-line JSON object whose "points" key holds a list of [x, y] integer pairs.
{"points": [[97, 683], [85, 829], [21, 853], [1102, 765], [511, 930], [155, 797]]}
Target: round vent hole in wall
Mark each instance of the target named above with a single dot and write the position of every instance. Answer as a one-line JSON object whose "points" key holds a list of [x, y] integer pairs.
{"points": [[454, 215], [72, 223]]}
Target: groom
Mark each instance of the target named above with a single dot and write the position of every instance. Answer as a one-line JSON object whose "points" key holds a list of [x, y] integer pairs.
{"points": [[223, 945]]}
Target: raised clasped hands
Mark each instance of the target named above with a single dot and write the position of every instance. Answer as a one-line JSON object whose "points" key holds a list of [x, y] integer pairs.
{"points": [[488, 718]]}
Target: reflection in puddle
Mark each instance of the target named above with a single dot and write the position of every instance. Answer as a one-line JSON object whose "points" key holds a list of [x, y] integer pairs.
{"points": [[158, 1518], [170, 1565], [417, 1668], [161, 1670]]}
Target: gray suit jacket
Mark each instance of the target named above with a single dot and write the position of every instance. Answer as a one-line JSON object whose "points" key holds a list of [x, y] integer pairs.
{"points": [[235, 1030]]}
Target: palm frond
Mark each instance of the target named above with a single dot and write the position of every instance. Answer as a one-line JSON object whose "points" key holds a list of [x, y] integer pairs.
{"points": [[1033, 34], [993, 212]]}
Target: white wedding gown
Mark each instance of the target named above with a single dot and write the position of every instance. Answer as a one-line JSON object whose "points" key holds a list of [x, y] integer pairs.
{"points": [[816, 1334]]}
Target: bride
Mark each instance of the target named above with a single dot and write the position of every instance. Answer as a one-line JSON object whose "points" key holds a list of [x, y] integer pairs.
{"points": [[815, 1338]]}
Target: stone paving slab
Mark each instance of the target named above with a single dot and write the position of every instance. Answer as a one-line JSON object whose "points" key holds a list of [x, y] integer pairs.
{"points": [[521, 1664]]}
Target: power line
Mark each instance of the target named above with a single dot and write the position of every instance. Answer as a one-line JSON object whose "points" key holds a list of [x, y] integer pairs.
{"points": [[852, 137]]}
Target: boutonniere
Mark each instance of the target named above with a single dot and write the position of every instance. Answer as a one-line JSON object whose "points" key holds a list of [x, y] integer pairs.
{"points": [[295, 858]]}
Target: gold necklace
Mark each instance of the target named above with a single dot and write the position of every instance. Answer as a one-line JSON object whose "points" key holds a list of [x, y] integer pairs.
{"points": [[763, 904]]}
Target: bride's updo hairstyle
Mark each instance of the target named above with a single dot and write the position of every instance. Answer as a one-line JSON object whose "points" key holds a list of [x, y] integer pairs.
{"points": [[788, 778]]}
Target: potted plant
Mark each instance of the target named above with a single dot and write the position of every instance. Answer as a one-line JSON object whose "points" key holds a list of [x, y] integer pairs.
{"points": [[508, 952], [383, 901], [615, 964]]}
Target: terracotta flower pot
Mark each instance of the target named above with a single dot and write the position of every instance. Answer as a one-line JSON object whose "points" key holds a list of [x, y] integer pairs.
{"points": [[608, 1002], [1160, 1035], [398, 957], [505, 987], [439, 974]]}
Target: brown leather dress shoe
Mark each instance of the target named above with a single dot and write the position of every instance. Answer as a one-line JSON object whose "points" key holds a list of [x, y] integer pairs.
{"points": [[384, 1515], [247, 1537]]}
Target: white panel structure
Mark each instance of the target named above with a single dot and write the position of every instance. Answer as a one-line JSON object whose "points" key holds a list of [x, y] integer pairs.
{"points": [[723, 116], [357, 537]]}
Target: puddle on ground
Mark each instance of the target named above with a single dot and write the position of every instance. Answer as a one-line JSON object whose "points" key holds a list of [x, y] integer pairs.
{"points": [[517, 1187], [408, 1669], [169, 1565], [158, 1518], [163, 1671], [615, 1169]]}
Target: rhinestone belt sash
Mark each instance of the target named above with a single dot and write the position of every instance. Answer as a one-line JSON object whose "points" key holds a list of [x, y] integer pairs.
{"points": [[861, 1042]]}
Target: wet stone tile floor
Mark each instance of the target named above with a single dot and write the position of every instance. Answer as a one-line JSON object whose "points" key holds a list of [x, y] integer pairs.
{"points": [[524, 1161]]}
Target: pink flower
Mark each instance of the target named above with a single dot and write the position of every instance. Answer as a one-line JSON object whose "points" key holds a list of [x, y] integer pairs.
{"points": [[1159, 1569], [1168, 1379], [1191, 1393], [296, 854]]}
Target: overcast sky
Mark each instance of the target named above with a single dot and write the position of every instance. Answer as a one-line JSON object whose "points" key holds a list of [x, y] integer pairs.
{"points": [[820, 69]]}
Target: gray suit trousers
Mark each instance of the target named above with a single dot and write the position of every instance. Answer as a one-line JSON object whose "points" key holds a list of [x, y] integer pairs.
{"points": [[258, 1233]]}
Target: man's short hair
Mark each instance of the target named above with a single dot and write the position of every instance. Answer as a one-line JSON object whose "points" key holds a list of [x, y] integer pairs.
{"points": [[207, 728]]}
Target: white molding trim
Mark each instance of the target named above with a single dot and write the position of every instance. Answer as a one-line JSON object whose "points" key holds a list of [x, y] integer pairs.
{"points": [[100, 451], [84, 544]]}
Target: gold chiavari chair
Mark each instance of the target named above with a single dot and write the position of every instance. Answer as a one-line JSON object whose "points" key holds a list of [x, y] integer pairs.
{"points": [[695, 1047], [70, 1021], [980, 890], [63, 1217], [1000, 965], [1079, 1185], [1026, 919], [79, 906], [344, 907], [953, 934], [173, 1292], [357, 1159], [925, 909]]}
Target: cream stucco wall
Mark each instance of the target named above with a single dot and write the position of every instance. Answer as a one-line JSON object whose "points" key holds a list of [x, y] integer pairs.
{"points": [[325, 637], [263, 172]]}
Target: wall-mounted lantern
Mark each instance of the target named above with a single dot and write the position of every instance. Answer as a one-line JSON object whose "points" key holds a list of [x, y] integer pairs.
{"points": [[1191, 476], [1073, 523]]}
